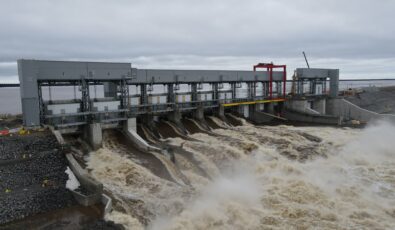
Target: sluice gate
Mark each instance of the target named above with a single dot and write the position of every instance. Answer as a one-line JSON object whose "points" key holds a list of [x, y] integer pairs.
{"points": [[131, 94]]}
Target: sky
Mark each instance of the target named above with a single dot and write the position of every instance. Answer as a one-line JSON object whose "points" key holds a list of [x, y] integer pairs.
{"points": [[355, 36]]}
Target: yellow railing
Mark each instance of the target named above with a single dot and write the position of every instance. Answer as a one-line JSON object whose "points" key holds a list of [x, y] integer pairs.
{"points": [[254, 102]]}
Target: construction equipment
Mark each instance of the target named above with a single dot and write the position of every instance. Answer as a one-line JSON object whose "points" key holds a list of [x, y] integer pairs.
{"points": [[308, 66]]}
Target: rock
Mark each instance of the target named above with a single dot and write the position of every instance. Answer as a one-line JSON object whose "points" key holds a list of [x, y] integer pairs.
{"points": [[32, 170]]}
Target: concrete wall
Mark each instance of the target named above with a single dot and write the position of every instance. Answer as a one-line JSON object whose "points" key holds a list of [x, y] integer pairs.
{"points": [[95, 189], [107, 202], [319, 105], [301, 106], [349, 111], [261, 117], [269, 108], [311, 118]]}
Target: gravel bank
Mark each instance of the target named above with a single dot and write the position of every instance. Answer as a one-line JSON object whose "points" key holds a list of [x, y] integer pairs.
{"points": [[32, 177], [18, 147]]}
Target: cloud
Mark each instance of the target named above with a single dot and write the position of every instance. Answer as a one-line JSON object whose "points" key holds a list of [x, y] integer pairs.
{"points": [[213, 33]]}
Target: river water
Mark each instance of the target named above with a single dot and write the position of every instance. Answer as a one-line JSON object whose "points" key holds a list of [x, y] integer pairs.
{"points": [[258, 177]]}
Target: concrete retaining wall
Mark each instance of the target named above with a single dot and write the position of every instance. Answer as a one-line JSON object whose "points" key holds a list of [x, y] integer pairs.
{"points": [[301, 106], [319, 105], [57, 135], [94, 189], [349, 111], [107, 202], [261, 117], [311, 118]]}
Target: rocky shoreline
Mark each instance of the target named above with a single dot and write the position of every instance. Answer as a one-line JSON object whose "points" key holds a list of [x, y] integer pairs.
{"points": [[32, 178]]}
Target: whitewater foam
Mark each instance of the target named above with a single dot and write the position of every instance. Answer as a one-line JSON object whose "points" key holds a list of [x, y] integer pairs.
{"points": [[272, 177]]}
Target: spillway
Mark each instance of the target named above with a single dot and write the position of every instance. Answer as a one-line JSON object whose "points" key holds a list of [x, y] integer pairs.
{"points": [[277, 177], [183, 149]]}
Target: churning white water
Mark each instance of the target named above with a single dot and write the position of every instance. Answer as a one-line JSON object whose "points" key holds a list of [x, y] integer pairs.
{"points": [[268, 177]]}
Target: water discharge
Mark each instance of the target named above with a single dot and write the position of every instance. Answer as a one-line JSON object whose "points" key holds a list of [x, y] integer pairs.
{"points": [[259, 177]]}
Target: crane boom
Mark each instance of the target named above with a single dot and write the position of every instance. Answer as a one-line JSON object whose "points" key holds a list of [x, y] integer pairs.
{"points": [[308, 66]]}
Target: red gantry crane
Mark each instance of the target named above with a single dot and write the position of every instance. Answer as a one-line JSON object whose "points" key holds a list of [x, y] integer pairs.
{"points": [[269, 67]]}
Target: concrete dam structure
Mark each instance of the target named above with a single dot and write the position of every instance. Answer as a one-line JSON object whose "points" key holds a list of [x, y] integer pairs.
{"points": [[153, 137], [260, 95]]}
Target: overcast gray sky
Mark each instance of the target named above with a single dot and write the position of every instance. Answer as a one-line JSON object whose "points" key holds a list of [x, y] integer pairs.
{"points": [[356, 36]]}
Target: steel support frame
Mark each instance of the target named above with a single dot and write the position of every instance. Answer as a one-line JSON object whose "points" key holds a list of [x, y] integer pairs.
{"points": [[170, 93], [88, 115], [124, 93], [85, 99], [215, 87], [41, 103], [269, 68], [143, 97], [194, 93]]}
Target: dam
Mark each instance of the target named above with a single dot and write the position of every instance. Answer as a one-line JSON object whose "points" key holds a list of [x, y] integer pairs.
{"points": [[121, 108], [198, 156]]}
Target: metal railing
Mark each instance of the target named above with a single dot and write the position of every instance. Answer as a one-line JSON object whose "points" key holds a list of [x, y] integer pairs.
{"points": [[82, 118]]}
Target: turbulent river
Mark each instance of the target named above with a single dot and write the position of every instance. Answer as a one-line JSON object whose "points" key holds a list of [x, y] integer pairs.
{"points": [[257, 177]]}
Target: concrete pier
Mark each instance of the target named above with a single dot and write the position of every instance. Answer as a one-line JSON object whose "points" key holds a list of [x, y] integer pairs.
{"points": [[301, 105], [198, 114], [269, 108], [319, 105], [130, 131], [175, 117], [93, 133], [221, 111], [131, 124]]}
